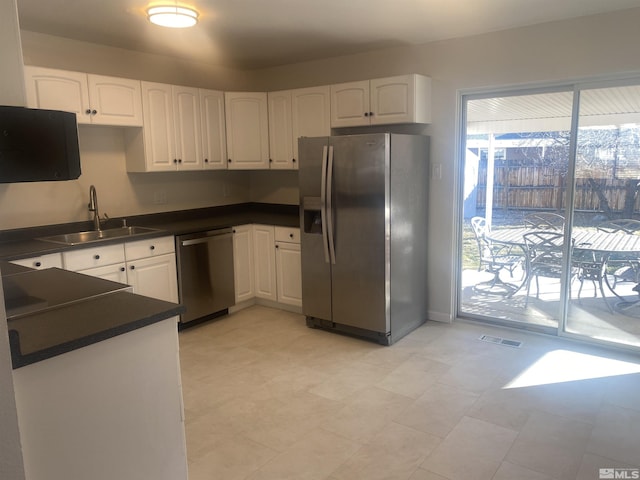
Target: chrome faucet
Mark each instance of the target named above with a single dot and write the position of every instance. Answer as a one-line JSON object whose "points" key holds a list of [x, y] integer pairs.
{"points": [[93, 207]]}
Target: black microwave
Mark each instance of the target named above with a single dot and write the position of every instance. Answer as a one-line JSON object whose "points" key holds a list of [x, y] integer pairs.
{"points": [[38, 145]]}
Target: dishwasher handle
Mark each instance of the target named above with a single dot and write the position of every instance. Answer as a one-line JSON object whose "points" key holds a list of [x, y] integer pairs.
{"points": [[204, 237]]}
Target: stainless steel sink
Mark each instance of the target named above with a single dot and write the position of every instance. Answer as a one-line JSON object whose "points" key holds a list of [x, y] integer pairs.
{"points": [[79, 238]]}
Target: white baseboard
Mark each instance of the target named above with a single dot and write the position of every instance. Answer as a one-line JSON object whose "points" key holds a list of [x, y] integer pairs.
{"points": [[440, 317]]}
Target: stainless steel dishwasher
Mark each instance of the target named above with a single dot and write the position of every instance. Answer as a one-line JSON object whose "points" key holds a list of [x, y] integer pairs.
{"points": [[205, 273]]}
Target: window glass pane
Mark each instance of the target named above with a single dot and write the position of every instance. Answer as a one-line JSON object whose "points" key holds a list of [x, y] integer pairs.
{"points": [[515, 172], [606, 224]]}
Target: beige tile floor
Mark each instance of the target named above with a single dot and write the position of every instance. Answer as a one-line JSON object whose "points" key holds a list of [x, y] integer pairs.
{"points": [[268, 398]]}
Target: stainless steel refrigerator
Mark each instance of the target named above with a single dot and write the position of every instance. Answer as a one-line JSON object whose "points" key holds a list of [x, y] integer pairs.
{"points": [[363, 220]]}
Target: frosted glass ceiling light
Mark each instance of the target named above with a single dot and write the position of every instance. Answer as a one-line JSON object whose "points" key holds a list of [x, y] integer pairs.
{"points": [[172, 16]]}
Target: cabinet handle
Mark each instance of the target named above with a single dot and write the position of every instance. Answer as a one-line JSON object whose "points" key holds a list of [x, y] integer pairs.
{"points": [[206, 160], [152, 247], [277, 246], [366, 114], [96, 257], [229, 160], [291, 235], [175, 160], [132, 267], [122, 269], [233, 231], [179, 160], [371, 114], [270, 160], [88, 111], [93, 112], [37, 264], [293, 160]]}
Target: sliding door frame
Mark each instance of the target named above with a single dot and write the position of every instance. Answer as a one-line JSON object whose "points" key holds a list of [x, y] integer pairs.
{"points": [[577, 86]]}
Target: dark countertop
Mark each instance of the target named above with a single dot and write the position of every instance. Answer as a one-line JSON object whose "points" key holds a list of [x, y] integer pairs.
{"points": [[23, 243], [54, 311]]}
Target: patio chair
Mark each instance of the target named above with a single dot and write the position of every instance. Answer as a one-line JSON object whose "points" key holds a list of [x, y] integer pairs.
{"points": [[493, 259], [544, 221], [544, 251], [624, 268], [590, 266]]}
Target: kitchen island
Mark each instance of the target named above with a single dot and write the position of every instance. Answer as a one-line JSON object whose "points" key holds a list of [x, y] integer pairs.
{"points": [[96, 377]]}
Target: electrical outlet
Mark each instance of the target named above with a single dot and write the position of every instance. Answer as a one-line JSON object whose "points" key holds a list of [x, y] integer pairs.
{"points": [[160, 198]]}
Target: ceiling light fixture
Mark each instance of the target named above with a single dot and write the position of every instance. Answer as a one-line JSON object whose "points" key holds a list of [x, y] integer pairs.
{"points": [[172, 16]]}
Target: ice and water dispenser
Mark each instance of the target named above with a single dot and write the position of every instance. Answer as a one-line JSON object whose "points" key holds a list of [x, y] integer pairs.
{"points": [[312, 215]]}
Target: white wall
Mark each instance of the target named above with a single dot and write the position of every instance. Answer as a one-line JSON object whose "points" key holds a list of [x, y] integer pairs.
{"points": [[579, 48], [56, 52]]}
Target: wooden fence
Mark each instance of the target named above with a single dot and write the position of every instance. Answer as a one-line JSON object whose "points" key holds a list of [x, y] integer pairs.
{"points": [[543, 188]]}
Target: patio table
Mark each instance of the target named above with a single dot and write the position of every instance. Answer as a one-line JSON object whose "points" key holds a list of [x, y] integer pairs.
{"points": [[586, 240]]}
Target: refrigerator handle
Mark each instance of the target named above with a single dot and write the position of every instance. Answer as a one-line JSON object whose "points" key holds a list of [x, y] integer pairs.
{"points": [[332, 247], [323, 203]]}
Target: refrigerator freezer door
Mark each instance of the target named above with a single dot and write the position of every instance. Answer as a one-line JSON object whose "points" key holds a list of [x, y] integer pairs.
{"points": [[361, 231], [316, 269]]}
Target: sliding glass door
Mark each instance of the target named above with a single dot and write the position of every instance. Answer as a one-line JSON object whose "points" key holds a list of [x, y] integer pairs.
{"points": [[549, 177], [606, 216]]}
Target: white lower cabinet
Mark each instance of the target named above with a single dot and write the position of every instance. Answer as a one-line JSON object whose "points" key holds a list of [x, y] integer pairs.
{"points": [[116, 272], [49, 260], [265, 261], [149, 266], [288, 266], [243, 268], [154, 277], [267, 264]]}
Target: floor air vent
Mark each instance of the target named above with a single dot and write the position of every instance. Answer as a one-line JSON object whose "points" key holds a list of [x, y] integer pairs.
{"points": [[501, 341]]}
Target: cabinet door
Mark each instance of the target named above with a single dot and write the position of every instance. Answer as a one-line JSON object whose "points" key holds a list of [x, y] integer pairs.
{"points": [[91, 257], [49, 260], [247, 124], [58, 90], [149, 247], [243, 266], [310, 113], [289, 273], [154, 277], [350, 104], [116, 272], [280, 131], [401, 99], [392, 100], [159, 132], [186, 111], [115, 101], [265, 261], [214, 141]]}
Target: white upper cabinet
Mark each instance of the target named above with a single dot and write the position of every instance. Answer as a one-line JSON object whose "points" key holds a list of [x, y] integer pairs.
{"points": [[350, 104], [383, 101], [95, 99], [115, 101], [311, 115], [247, 123], [184, 129], [186, 111], [280, 131], [293, 114], [214, 141], [159, 131]]}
